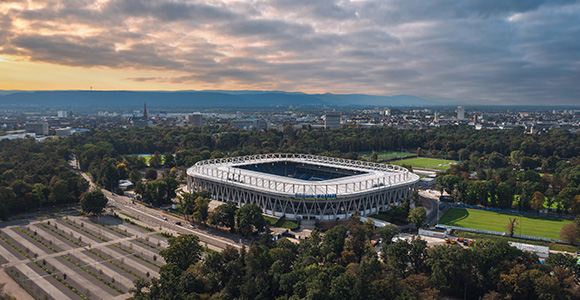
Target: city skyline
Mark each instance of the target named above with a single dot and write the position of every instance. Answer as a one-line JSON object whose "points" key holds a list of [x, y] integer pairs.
{"points": [[476, 52]]}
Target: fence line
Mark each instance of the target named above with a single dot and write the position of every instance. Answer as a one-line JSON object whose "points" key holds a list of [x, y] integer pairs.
{"points": [[498, 233]]}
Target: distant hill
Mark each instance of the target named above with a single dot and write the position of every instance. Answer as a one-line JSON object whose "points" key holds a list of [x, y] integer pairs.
{"points": [[193, 99]]}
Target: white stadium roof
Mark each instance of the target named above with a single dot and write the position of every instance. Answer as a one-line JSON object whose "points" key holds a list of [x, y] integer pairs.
{"points": [[376, 176]]}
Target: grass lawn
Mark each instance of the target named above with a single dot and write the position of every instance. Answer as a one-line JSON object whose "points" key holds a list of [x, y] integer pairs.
{"points": [[389, 154], [425, 163], [283, 223], [395, 215], [148, 158], [486, 220], [271, 220]]}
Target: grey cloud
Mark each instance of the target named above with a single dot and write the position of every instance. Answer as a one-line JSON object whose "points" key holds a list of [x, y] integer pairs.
{"points": [[481, 50]]}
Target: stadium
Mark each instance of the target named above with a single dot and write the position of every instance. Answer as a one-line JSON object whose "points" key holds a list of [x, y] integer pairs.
{"points": [[303, 187]]}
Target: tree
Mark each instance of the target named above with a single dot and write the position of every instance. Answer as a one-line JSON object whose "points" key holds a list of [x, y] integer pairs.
{"points": [[186, 203], [575, 207], [183, 251], [135, 176], [155, 161], [60, 193], [387, 233], [224, 215], [570, 233], [447, 182], [512, 226], [396, 256], [451, 268], [158, 192], [123, 171], [418, 215], [93, 202], [333, 240], [374, 156], [249, 218], [169, 160], [505, 195], [151, 174], [201, 209], [538, 200]]}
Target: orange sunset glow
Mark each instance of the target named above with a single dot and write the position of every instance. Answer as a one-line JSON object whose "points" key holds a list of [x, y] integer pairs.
{"points": [[470, 52]]}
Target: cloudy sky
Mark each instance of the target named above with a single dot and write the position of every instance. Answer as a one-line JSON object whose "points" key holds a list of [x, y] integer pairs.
{"points": [[469, 52]]}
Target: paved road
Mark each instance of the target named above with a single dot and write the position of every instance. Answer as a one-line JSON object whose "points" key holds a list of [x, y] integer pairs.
{"points": [[430, 200], [155, 218]]}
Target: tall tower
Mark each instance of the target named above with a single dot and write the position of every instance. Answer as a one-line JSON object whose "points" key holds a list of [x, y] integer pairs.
{"points": [[144, 111], [460, 113]]}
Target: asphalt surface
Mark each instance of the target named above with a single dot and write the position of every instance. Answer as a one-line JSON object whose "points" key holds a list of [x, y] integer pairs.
{"points": [[158, 218]]}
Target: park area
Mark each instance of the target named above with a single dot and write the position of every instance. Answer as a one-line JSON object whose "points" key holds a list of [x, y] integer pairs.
{"points": [[386, 155], [77, 257], [487, 220], [425, 163]]}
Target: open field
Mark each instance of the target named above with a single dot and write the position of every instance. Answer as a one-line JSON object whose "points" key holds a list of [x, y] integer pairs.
{"points": [[486, 220], [147, 157], [388, 154], [425, 163], [77, 257]]}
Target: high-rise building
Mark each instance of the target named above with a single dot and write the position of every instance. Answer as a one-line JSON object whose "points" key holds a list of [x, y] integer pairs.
{"points": [[332, 121], [38, 128], [460, 113], [62, 114], [195, 120]]}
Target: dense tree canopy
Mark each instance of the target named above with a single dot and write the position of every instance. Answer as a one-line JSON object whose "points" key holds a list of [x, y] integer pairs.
{"points": [[326, 267], [35, 175]]}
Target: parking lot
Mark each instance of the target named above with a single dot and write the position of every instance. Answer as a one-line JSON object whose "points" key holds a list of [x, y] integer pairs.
{"points": [[77, 257]]}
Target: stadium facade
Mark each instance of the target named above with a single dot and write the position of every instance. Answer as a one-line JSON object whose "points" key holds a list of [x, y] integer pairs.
{"points": [[301, 186]]}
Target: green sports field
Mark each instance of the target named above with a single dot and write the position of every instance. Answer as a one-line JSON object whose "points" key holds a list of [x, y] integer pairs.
{"points": [[148, 158], [389, 154], [425, 163], [486, 220]]}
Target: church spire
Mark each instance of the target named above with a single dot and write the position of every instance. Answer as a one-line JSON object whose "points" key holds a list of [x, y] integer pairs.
{"points": [[144, 111]]}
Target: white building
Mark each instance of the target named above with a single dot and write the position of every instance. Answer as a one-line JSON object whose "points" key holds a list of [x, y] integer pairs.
{"points": [[62, 114]]}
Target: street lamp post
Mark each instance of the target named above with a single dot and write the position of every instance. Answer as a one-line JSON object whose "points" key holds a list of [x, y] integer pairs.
{"points": [[438, 202], [521, 223]]}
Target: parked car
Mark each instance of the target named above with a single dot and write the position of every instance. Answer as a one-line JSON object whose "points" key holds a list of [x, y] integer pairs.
{"points": [[178, 223]]}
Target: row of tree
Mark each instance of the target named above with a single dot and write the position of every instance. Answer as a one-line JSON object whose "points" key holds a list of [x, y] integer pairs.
{"points": [[509, 188], [477, 148], [245, 220]]}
